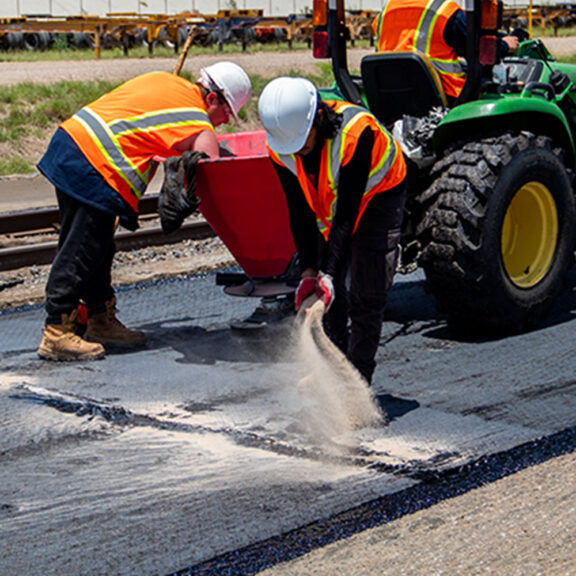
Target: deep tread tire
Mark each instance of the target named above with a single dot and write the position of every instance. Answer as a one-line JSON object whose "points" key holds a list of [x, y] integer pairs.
{"points": [[461, 231]]}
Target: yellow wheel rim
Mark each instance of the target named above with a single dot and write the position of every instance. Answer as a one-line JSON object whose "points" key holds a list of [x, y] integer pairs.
{"points": [[530, 235]]}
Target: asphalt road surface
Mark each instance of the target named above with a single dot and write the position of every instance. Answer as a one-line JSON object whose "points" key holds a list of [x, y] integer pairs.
{"points": [[201, 454]]}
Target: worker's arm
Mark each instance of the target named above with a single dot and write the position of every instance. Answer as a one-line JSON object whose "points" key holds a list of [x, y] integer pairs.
{"points": [[455, 36], [302, 221], [351, 187], [204, 141]]}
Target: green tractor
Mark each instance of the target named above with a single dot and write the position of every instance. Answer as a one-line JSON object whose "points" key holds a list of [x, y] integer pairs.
{"points": [[491, 217]]}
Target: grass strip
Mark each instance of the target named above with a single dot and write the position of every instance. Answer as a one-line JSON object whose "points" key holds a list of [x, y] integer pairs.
{"points": [[31, 111]]}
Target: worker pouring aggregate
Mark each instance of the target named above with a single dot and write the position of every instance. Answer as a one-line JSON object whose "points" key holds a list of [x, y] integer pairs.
{"points": [[100, 161], [343, 176], [436, 29]]}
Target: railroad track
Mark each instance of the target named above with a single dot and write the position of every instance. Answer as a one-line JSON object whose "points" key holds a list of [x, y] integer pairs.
{"points": [[18, 225]]}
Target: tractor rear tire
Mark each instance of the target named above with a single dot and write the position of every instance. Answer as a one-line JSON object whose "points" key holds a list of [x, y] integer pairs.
{"points": [[498, 232]]}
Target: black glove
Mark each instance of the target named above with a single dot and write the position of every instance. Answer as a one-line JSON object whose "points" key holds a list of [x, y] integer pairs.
{"points": [[177, 199]]}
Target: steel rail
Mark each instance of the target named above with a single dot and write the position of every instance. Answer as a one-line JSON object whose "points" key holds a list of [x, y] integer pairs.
{"points": [[45, 218], [44, 252]]}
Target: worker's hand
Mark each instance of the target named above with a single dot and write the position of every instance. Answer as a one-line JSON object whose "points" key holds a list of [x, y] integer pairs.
{"points": [[306, 288], [325, 289], [513, 43]]}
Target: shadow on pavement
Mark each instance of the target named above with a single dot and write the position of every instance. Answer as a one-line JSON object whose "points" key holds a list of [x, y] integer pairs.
{"points": [[395, 407], [202, 346], [410, 303]]}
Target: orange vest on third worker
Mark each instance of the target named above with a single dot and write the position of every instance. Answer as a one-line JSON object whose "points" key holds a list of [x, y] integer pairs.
{"points": [[121, 132], [387, 169], [418, 26]]}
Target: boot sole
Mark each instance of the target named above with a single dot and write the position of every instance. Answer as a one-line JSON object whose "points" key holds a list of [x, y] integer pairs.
{"points": [[49, 355]]}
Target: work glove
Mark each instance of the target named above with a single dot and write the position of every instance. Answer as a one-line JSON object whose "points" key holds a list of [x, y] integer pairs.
{"points": [[177, 199], [325, 289], [306, 288]]}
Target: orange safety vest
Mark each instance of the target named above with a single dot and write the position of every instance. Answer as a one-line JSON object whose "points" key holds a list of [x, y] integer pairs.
{"points": [[387, 168], [418, 26], [121, 132]]}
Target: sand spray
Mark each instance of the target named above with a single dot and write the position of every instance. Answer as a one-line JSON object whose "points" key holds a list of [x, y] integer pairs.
{"points": [[336, 399]]}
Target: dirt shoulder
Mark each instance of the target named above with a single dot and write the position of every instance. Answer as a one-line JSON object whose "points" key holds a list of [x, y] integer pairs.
{"points": [[562, 46], [522, 525], [265, 64]]}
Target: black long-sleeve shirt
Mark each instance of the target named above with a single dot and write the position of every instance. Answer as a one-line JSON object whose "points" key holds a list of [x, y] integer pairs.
{"points": [[455, 35], [351, 187]]}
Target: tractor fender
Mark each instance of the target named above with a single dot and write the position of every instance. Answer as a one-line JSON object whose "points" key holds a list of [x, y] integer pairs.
{"points": [[532, 113]]}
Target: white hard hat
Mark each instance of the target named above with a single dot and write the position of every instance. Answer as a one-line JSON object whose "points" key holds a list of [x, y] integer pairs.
{"points": [[229, 79], [287, 108]]}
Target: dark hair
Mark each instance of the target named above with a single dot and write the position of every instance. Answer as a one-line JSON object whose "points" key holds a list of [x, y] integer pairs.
{"points": [[328, 123], [205, 91]]}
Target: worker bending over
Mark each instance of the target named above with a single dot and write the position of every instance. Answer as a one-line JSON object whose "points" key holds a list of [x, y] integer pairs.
{"points": [[343, 176], [436, 29], [101, 161]]}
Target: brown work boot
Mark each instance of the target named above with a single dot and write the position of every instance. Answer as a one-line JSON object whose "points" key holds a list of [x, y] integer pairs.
{"points": [[106, 329], [60, 342]]}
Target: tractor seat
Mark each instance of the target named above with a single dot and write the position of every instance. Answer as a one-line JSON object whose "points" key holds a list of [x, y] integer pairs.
{"points": [[401, 83]]}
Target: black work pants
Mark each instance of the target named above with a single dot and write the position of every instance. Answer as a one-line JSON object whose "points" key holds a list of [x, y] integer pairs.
{"points": [[370, 266], [83, 264]]}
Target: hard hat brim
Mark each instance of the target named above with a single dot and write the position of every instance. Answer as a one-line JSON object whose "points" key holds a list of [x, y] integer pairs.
{"points": [[294, 145]]}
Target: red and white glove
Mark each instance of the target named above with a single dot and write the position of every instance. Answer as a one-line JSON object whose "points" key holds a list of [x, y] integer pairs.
{"points": [[306, 288], [325, 289]]}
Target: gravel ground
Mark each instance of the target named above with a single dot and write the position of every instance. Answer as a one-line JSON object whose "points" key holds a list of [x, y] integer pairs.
{"points": [[25, 286]]}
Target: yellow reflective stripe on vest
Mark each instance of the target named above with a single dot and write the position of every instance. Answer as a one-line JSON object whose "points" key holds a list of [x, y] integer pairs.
{"points": [[159, 120], [333, 172], [423, 39], [381, 169], [447, 66], [321, 226], [351, 115], [426, 26], [379, 24], [335, 154], [108, 144]]}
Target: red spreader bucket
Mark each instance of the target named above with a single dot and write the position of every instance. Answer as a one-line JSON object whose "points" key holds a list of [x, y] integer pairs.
{"points": [[243, 201]]}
